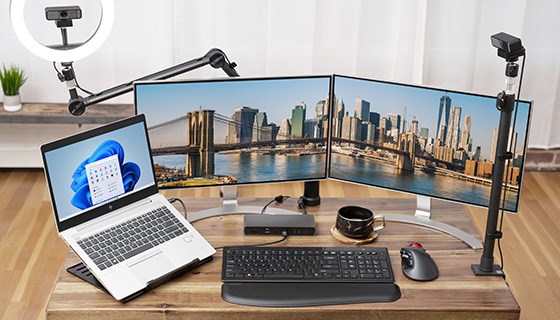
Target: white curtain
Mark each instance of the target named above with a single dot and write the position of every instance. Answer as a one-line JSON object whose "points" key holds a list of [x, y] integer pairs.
{"points": [[439, 43]]}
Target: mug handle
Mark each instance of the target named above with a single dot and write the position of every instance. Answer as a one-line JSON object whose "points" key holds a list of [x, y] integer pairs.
{"points": [[382, 225]]}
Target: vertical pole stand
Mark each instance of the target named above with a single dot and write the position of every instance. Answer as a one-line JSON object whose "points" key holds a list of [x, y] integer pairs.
{"points": [[504, 103]]}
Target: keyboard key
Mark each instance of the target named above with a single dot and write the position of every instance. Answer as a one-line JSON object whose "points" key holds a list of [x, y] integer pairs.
{"points": [[138, 250]]}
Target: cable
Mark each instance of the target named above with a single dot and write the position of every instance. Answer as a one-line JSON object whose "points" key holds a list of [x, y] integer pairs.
{"points": [[79, 87], [61, 78], [284, 237], [279, 199], [511, 148], [171, 200], [301, 205]]}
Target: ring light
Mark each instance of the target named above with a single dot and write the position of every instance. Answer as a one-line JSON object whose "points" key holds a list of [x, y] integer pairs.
{"points": [[97, 39]]}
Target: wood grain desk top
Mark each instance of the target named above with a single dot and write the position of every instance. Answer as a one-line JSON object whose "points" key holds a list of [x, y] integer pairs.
{"points": [[456, 294]]}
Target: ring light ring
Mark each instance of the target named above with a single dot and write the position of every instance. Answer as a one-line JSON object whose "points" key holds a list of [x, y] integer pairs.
{"points": [[75, 54]]}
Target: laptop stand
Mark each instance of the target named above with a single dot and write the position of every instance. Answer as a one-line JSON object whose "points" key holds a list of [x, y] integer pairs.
{"points": [[82, 272]]}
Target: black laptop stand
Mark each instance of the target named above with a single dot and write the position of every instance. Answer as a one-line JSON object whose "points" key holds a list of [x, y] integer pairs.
{"points": [[82, 272]]}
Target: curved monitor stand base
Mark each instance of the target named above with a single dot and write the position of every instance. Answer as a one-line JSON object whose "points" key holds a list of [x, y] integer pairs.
{"points": [[231, 206], [422, 218]]}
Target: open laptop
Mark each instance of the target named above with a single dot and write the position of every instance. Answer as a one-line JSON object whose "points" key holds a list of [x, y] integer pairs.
{"points": [[108, 210]]}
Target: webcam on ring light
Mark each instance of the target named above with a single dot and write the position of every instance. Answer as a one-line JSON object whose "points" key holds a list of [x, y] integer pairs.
{"points": [[63, 15]]}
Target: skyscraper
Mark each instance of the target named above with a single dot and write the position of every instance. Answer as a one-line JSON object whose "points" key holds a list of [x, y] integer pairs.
{"points": [[362, 109], [351, 128], [443, 117], [512, 135], [269, 132], [298, 120], [285, 131], [466, 133], [337, 117], [424, 132], [476, 155], [453, 128], [260, 122], [310, 129], [374, 118], [321, 109], [395, 120], [414, 126], [369, 132], [241, 128]]}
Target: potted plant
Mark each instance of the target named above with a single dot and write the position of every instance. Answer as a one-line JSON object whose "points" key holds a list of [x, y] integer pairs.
{"points": [[12, 79]]}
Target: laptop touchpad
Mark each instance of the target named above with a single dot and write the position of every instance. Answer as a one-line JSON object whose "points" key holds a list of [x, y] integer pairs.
{"points": [[153, 267]]}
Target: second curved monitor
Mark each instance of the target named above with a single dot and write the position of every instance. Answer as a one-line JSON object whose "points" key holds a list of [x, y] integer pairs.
{"points": [[421, 140]]}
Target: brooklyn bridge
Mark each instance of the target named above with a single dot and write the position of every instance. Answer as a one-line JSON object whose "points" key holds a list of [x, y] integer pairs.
{"points": [[193, 135]]}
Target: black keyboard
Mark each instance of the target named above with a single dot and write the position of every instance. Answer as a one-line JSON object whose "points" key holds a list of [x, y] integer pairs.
{"points": [[305, 264], [132, 237]]}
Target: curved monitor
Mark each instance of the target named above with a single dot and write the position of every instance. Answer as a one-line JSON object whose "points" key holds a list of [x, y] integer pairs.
{"points": [[420, 140], [236, 131]]}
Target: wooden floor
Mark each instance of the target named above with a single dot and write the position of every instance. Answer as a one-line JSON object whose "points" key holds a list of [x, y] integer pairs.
{"points": [[31, 253]]}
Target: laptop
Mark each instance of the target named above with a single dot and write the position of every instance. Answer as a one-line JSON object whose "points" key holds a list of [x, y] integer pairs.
{"points": [[108, 209]]}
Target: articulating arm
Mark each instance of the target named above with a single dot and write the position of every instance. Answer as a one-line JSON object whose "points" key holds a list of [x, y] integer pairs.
{"points": [[77, 104]]}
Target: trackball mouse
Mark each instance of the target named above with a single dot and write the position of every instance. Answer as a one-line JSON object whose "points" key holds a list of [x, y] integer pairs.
{"points": [[417, 264]]}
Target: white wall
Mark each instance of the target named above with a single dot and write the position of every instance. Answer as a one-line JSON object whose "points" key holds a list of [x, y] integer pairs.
{"points": [[441, 43]]}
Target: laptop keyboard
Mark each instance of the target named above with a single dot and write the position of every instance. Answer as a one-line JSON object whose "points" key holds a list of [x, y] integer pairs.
{"points": [[132, 237]]}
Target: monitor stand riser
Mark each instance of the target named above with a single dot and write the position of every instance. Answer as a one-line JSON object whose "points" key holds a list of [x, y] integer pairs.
{"points": [[422, 218], [231, 206]]}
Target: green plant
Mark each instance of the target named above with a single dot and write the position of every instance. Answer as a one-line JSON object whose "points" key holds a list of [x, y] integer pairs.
{"points": [[12, 79]]}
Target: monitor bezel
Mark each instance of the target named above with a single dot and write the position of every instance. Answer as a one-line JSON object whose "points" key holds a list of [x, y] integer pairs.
{"points": [[525, 147], [106, 208], [232, 79]]}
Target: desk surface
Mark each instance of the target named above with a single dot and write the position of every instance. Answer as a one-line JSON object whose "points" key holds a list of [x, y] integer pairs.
{"points": [[456, 294]]}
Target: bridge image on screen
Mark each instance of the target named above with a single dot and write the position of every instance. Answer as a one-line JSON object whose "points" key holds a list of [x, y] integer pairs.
{"points": [[423, 141], [236, 131]]}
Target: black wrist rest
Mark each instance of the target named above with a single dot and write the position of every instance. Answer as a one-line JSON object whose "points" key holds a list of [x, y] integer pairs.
{"points": [[287, 294]]}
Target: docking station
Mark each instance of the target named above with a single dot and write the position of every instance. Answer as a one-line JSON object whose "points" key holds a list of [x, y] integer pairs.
{"points": [[272, 224]]}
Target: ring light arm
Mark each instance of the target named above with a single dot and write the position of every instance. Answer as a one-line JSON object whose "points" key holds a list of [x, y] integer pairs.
{"points": [[77, 104]]}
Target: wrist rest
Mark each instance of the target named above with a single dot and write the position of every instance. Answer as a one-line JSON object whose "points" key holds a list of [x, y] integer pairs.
{"points": [[293, 294]]}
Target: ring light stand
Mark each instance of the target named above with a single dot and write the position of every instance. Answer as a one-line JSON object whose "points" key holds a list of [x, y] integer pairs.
{"points": [[66, 54]]}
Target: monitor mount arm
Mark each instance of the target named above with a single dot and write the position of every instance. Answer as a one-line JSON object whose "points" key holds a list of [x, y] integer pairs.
{"points": [[77, 104]]}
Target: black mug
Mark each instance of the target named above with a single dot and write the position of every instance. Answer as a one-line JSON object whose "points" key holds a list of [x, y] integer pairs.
{"points": [[358, 222]]}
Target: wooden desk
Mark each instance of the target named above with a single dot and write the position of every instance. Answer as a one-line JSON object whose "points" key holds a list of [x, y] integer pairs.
{"points": [[456, 294]]}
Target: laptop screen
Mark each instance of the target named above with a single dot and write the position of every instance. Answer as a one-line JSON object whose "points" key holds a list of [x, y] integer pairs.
{"points": [[95, 170]]}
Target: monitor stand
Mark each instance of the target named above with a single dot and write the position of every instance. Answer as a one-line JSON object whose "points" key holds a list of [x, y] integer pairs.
{"points": [[422, 218], [231, 206]]}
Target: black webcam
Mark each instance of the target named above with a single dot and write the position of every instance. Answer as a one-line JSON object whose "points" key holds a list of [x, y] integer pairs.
{"points": [[509, 47], [63, 13], [63, 16]]}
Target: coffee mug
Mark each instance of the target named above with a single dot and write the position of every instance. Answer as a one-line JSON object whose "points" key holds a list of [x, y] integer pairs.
{"points": [[358, 222]]}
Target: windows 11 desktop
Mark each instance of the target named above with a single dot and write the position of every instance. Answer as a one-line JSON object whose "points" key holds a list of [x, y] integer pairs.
{"points": [[421, 140], [236, 131]]}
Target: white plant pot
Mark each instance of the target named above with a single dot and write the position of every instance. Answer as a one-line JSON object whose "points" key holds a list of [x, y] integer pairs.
{"points": [[12, 103]]}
